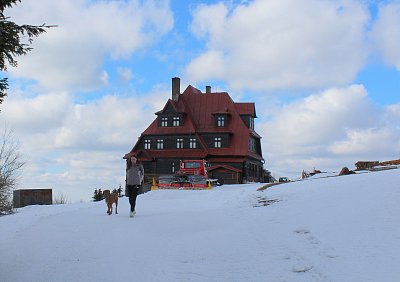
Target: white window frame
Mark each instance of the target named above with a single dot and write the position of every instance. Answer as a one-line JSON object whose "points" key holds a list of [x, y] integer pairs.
{"points": [[217, 142], [164, 121], [179, 143], [192, 143], [147, 144], [176, 121], [220, 121], [252, 145], [251, 123], [160, 144]]}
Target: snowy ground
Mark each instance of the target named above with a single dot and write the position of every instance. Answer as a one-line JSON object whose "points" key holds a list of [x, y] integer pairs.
{"points": [[334, 229]]}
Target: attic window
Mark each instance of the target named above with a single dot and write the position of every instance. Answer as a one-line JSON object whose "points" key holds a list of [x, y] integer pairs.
{"points": [[176, 121], [164, 121], [220, 121]]}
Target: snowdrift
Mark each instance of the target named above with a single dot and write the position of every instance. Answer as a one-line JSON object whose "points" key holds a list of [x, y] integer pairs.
{"points": [[333, 229]]}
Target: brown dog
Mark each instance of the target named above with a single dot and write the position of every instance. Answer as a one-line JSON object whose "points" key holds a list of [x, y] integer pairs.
{"points": [[111, 198]]}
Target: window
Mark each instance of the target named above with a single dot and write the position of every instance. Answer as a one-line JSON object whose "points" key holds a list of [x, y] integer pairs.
{"points": [[176, 121], [160, 144], [172, 167], [191, 165], [164, 121], [251, 123], [217, 142], [192, 143], [220, 121], [147, 144], [252, 145], [179, 143]]}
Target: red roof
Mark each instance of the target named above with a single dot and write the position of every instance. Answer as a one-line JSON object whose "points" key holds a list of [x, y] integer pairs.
{"points": [[199, 110], [228, 167]]}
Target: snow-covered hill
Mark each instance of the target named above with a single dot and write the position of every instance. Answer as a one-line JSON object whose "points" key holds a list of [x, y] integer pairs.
{"points": [[334, 229]]}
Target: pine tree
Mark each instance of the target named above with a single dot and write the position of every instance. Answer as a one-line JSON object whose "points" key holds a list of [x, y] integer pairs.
{"points": [[95, 195], [98, 195], [119, 191], [10, 41]]}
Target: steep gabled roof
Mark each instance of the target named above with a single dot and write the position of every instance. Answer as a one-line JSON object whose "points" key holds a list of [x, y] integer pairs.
{"points": [[171, 106], [199, 110], [246, 109]]}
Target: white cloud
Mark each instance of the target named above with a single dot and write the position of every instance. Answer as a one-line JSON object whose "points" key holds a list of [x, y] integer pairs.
{"points": [[71, 55], [75, 148], [329, 130], [125, 74], [36, 114], [280, 44], [383, 141], [386, 33]]}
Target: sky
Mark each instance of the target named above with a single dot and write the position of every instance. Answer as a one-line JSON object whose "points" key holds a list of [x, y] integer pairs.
{"points": [[291, 232], [324, 75]]}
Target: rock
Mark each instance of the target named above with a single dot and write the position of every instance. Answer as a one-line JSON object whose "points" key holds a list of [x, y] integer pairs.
{"points": [[346, 171]]}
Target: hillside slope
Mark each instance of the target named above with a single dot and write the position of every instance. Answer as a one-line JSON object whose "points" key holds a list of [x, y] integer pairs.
{"points": [[334, 229]]}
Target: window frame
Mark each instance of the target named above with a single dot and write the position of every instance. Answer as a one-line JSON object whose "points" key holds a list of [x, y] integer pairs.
{"points": [[217, 142], [192, 143], [160, 144], [164, 122], [176, 121], [179, 143], [147, 144], [221, 121]]}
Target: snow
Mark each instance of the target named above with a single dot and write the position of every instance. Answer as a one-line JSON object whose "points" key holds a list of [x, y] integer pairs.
{"points": [[331, 229]]}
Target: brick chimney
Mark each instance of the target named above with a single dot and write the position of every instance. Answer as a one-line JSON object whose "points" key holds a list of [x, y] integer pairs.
{"points": [[208, 89], [176, 88]]}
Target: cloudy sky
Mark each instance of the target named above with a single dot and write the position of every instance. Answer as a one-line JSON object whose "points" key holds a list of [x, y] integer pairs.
{"points": [[324, 74]]}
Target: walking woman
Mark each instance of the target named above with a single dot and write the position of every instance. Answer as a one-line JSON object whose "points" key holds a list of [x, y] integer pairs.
{"points": [[134, 180]]}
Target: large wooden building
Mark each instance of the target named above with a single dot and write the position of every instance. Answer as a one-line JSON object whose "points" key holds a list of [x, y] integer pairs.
{"points": [[210, 126]]}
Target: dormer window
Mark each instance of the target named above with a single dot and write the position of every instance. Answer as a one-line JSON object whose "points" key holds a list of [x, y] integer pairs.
{"points": [[164, 121], [176, 121], [220, 121]]}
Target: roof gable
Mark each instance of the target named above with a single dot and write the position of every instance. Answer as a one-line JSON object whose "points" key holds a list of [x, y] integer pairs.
{"points": [[246, 109], [171, 107], [200, 110]]}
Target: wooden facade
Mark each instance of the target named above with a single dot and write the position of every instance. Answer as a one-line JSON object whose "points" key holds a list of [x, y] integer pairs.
{"points": [[210, 126]]}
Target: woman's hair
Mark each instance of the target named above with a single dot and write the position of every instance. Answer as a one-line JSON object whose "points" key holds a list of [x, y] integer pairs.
{"points": [[129, 162]]}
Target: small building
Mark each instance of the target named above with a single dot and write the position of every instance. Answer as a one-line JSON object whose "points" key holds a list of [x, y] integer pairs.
{"points": [[362, 165], [27, 197], [209, 126]]}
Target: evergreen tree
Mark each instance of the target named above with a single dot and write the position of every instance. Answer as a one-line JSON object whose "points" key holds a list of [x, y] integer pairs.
{"points": [[98, 195], [10, 41], [95, 195], [119, 191]]}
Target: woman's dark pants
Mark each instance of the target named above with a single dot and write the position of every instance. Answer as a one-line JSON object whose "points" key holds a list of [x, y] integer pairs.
{"points": [[133, 191]]}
